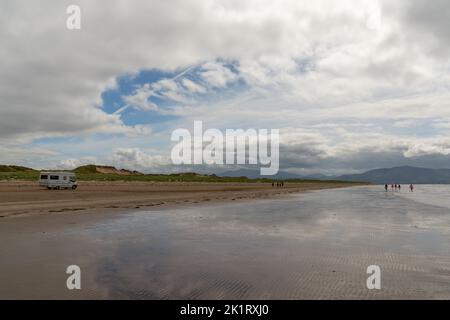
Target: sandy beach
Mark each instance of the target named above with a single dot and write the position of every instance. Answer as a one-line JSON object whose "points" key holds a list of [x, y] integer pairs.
{"points": [[19, 198], [311, 245]]}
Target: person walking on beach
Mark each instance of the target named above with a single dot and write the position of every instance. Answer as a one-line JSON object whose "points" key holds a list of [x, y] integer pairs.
{"points": [[411, 187], [386, 187], [399, 187]]}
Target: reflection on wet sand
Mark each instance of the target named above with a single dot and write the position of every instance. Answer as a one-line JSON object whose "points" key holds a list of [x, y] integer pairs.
{"points": [[308, 246]]}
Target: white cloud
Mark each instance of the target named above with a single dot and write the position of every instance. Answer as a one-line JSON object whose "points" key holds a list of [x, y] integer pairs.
{"points": [[193, 87], [139, 100], [26, 156], [70, 164], [135, 158], [376, 67], [217, 75]]}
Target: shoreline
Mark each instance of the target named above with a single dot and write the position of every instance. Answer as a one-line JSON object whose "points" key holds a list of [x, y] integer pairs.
{"points": [[26, 198]]}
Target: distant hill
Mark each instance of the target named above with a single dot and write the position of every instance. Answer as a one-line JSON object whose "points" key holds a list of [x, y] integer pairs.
{"points": [[105, 169], [282, 175], [4, 168], [255, 174], [318, 176], [401, 175]]}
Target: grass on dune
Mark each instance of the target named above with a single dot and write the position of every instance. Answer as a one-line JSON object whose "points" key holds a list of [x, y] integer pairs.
{"points": [[19, 175], [187, 177]]}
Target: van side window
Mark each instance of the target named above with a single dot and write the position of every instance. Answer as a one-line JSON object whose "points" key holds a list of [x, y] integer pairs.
{"points": [[44, 177], [65, 178], [54, 177]]}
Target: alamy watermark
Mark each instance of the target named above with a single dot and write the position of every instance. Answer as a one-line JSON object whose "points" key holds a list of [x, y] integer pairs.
{"points": [[73, 21], [74, 280], [235, 146], [374, 280]]}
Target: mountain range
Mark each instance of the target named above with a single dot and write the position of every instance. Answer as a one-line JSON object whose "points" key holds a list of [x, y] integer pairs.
{"points": [[400, 175]]}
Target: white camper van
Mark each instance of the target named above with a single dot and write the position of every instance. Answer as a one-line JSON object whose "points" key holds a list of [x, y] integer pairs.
{"points": [[58, 180]]}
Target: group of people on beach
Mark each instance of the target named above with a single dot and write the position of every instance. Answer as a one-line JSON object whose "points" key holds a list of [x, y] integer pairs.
{"points": [[398, 187], [279, 184]]}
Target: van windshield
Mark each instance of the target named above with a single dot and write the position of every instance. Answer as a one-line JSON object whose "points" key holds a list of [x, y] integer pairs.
{"points": [[73, 179]]}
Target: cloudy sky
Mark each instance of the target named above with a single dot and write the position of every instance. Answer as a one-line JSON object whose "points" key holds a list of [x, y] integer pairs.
{"points": [[351, 84]]}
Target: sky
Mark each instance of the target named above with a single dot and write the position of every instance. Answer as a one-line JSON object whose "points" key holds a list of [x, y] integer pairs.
{"points": [[352, 85]]}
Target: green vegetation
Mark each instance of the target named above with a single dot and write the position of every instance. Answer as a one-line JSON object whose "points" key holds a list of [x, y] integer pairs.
{"points": [[89, 169], [17, 173], [15, 169], [184, 177], [90, 173]]}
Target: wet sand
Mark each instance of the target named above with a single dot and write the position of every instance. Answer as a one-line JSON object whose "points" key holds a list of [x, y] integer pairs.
{"points": [[27, 198], [314, 245]]}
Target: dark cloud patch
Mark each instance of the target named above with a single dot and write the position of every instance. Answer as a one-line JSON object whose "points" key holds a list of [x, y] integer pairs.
{"points": [[428, 19]]}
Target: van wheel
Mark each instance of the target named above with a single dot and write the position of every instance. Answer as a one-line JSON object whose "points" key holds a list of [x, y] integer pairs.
{"points": [[48, 188], [74, 187]]}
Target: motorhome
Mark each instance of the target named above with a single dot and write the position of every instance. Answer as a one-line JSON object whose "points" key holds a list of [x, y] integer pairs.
{"points": [[58, 180]]}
